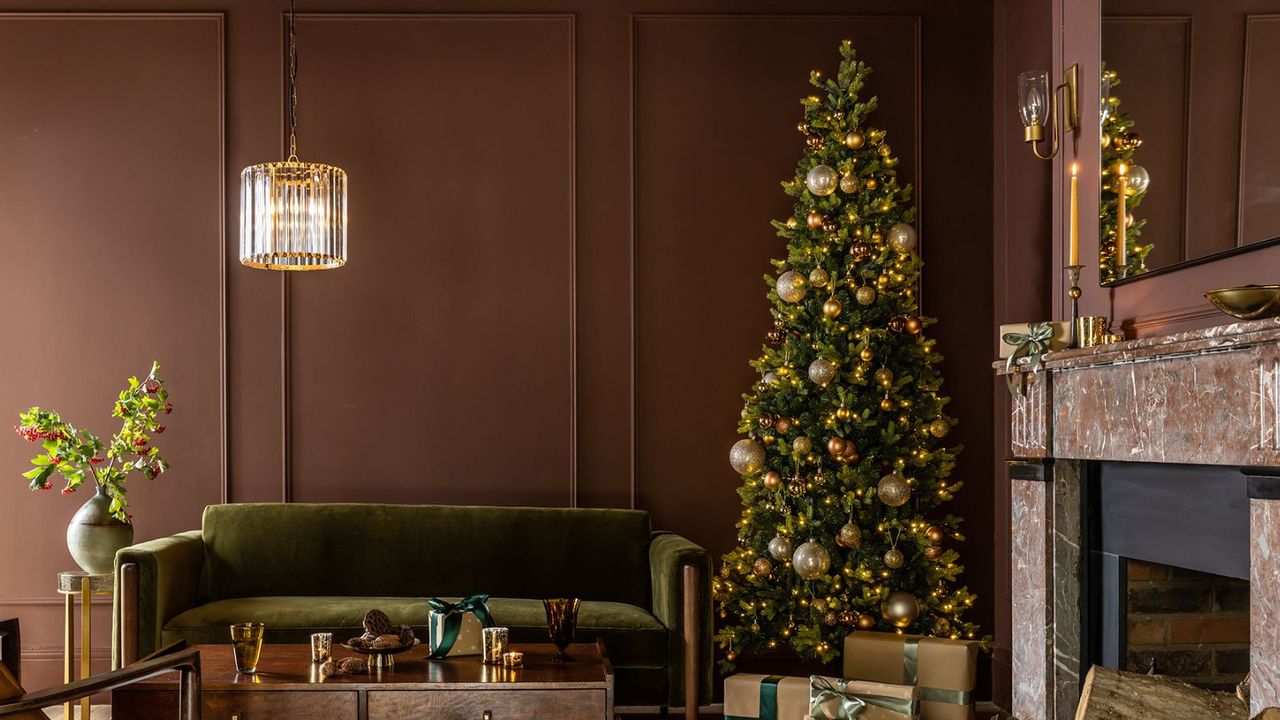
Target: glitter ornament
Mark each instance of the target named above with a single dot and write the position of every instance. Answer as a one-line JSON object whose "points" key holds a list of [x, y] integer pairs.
{"points": [[865, 295], [819, 277], [902, 237], [850, 536], [939, 428], [822, 371], [893, 490], [762, 567], [791, 286], [746, 456], [802, 445]]}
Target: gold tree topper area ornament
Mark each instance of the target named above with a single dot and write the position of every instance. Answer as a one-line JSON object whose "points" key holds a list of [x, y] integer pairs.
{"points": [[836, 506]]}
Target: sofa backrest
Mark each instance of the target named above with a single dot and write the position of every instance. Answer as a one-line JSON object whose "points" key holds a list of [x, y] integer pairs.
{"points": [[259, 549]]}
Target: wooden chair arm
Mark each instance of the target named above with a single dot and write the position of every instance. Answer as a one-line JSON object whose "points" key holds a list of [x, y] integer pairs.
{"points": [[186, 662]]}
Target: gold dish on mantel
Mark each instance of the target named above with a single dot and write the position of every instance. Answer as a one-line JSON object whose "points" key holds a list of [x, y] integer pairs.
{"points": [[1250, 302]]}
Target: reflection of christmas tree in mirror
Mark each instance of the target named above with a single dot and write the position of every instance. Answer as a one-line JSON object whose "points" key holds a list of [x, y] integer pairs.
{"points": [[1120, 174], [843, 461]]}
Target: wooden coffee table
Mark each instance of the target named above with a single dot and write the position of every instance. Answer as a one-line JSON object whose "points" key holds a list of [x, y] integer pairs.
{"points": [[288, 685]]}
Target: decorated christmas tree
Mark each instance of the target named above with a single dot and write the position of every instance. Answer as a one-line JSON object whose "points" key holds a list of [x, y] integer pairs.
{"points": [[1119, 141], [843, 463]]}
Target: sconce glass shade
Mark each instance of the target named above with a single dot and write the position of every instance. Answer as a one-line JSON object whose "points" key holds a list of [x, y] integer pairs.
{"points": [[293, 216], [1104, 96], [1033, 98]]}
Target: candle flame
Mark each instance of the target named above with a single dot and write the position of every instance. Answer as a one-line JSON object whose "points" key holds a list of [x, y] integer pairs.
{"points": [[1075, 169], [1122, 169]]}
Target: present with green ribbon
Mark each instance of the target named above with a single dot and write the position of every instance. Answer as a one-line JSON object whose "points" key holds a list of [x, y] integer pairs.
{"points": [[1032, 341], [944, 671], [765, 697], [453, 628], [842, 699]]}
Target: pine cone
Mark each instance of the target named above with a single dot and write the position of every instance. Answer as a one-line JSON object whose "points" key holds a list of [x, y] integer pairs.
{"points": [[352, 665], [358, 643], [386, 642], [327, 668], [406, 635]]}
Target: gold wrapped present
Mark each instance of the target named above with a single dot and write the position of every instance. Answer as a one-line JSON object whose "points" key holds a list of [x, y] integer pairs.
{"points": [[766, 697], [840, 699], [1058, 340], [944, 671], [456, 628]]}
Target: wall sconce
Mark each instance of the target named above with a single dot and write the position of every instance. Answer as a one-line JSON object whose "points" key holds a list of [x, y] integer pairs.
{"points": [[1038, 107]]}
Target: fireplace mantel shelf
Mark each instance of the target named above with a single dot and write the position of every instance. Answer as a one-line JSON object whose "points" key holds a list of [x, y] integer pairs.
{"points": [[1209, 396], [1206, 397]]}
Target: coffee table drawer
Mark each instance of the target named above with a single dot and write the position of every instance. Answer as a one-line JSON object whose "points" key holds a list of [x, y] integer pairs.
{"points": [[473, 704], [276, 704]]}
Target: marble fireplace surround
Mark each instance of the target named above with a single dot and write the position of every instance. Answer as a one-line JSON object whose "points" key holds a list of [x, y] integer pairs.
{"points": [[1205, 397]]}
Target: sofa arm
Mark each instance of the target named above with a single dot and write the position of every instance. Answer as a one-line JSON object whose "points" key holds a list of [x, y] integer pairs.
{"points": [[669, 555], [155, 581]]}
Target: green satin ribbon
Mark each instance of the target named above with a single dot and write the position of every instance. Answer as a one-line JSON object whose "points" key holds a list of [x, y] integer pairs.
{"points": [[768, 700], [1031, 344], [910, 666], [851, 705], [476, 604]]}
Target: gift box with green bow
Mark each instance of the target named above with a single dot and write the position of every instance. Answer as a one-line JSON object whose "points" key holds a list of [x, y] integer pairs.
{"points": [[775, 697], [454, 628], [944, 671]]}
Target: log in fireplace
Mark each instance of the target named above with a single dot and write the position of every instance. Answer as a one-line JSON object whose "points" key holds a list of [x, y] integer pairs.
{"points": [[1165, 450]]}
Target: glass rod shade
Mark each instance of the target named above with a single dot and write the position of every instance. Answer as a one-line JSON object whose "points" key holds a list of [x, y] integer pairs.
{"points": [[293, 216]]}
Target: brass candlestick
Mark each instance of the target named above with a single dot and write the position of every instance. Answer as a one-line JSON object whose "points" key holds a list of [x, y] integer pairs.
{"points": [[1073, 292]]}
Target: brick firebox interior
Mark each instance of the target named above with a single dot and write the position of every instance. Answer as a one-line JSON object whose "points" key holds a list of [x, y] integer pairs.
{"points": [[1195, 626]]}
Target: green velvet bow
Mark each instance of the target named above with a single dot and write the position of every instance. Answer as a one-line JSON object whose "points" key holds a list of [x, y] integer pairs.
{"points": [[453, 612], [850, 705], [1032, 344]]}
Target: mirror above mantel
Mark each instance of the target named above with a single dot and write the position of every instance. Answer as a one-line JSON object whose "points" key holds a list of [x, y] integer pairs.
{"points": [[1190, 98]]}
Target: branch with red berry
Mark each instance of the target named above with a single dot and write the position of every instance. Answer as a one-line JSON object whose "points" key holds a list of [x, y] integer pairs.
{"points": [[78, 455]]}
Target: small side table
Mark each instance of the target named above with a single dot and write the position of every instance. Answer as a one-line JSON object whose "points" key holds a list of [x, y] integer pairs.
{"points": [[71, 584]]}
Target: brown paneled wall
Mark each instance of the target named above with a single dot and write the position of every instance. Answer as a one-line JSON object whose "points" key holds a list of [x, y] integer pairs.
{"points": [[559, 220]]}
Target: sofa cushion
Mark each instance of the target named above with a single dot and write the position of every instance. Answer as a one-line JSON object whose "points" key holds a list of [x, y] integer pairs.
{"points": [[632, 636], [259, 549]]}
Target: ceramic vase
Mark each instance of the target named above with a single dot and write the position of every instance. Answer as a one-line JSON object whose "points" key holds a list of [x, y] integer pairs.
{"points": [[94, 536]]}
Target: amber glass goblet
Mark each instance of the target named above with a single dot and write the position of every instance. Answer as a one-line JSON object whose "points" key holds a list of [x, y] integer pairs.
{"points": [[562, 622]]}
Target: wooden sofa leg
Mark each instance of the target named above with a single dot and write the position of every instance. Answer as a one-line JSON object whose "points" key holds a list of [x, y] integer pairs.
{"points": [[128, 614], [691, 642]]}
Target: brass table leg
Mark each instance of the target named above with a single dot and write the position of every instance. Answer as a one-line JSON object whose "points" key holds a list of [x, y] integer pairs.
{"points": [[68, 647], [86, 640]]}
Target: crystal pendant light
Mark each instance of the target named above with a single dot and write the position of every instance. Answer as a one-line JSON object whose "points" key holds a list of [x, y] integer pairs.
{"points": [[293, 214]]}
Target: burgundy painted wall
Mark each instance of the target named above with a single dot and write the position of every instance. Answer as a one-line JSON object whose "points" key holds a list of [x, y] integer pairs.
{"points": [[559, 222]]}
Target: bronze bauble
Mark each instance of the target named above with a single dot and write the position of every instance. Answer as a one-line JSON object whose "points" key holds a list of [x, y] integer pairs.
{"points": [[901, 609], [848, 618], [886, 404], [935, 534], [850, 536], [803, 127], [866, 621], [884, 376], [782, 425], [939, 428], [796, 486], [897, 323], [836, 446], [762, 567], [870, 183], [860, 250], [814, 219], [772, 479], [774, 336], [832, 308], [830, 617], [813, 140], [765, 421], [865, 295], [893, 490], [933, 552], [914, 325], [866, 354], [854, 140], [894, 558], [829, 225]]}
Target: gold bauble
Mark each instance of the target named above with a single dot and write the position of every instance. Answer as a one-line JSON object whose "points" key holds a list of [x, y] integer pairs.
{"points": [[893, 490], [866, 621], [882, 282], [884, 376], [865, 295], [843, 413], [849, 184], [802, 445], [939, 428], [818, 277], [796, 486], [832, 308], [850, 536], [772, 479], [933, 552], [866, 354], [885, 150], [935, 534], [768, 439], [782, 425], [854, 140], [901, 609], [836, 446], [762, 567], [731, 656], [877, 237], [814, 219], [941, 627], [870, 183], [894, 558], [886, 404], [791, 222], [1106, 141], [914, 324]]}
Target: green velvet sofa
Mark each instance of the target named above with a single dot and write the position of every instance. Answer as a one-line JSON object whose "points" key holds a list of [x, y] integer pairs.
{"points": [[304, 568]]}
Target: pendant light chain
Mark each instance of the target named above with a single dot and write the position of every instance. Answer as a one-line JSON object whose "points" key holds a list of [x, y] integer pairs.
{"points": [[293, 83]]}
